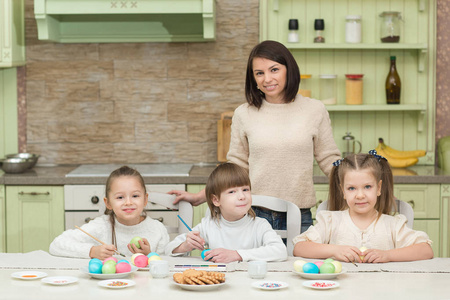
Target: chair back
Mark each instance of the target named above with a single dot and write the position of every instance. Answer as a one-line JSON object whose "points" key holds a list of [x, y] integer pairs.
{"points": [[165, 201], [402, 208]]}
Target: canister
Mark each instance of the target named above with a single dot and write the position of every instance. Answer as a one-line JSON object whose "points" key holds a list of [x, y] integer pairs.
{"points": [[305, 85], [353, 29], [354, 89], [390, 26], [328, 88]]}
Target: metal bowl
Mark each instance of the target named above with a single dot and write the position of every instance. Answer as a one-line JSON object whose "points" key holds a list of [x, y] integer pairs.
{"points": [[30, 157], [15, 165]]}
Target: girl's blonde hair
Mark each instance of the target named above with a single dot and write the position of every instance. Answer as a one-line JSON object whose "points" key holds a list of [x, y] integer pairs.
{"points": [[380, 169], [120, 172], [225, 176]]}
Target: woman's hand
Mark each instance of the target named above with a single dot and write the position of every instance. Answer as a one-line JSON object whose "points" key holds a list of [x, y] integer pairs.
{"points": [[194, 199], [102, 252], [145, 247], [221, 255]]}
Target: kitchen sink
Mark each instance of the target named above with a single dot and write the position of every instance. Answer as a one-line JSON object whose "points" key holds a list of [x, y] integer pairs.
{"points": [[146, 170]]}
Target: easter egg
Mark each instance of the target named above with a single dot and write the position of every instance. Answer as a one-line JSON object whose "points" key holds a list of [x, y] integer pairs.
{"points": [[123, 267], [318, 263], [108, 269], [110, 258], [151, 254], [204, 253], [327, 268], [298, 265], [141, 261], [95, 260], [110, 262], [337, 266], [95, 267], [123, 261], [154, 257], [135, 241], [362, 249], [328, 260], [310, 268], [134, 256]]}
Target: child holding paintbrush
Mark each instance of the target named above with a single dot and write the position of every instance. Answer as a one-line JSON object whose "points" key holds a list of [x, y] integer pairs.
{"points": [[125, 218]]}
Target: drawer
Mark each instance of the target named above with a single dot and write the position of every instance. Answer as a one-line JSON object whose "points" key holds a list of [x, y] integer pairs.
{"points": [[424, 198]]}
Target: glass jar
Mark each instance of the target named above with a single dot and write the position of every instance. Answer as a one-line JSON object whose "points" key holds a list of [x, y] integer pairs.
{"points": [[390, 26], [305, 85], [293, 31], [354, 89], [353, 29], [328, 89]]}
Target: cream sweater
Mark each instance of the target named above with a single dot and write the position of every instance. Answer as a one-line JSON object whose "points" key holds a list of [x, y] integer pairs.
{"points": [[278, 144]]}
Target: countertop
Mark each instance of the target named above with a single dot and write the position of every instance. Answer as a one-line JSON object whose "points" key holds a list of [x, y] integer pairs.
{"points": [[56, 175]]}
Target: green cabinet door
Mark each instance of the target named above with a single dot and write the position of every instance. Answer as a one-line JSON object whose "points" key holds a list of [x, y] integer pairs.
{"points": [[35, 217], [2, 219]]}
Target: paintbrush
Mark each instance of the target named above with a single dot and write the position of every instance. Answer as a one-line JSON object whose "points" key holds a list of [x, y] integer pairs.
{"points": [[206, 246], [103, 243]]}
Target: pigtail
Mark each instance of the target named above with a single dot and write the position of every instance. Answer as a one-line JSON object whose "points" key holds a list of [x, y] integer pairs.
{"points": [[386, 203], [336, 199]]}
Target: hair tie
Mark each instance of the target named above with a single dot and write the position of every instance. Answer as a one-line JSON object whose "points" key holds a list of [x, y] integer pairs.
{"points": [[337, 163], [374, 153]]}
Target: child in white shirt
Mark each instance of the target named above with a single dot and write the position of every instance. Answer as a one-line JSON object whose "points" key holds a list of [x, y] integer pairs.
{"points": [[232, 231], [124, 218], [360, 202]]}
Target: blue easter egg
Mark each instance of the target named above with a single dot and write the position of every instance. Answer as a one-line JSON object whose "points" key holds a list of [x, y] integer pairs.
{"points": [[152, 253], [123, 260], [310, 268], [204, 253], [95, 260], [95, 267]]}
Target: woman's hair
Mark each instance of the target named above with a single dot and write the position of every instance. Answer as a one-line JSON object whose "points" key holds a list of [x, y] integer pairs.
{"points": [[380, 169], [277, 52], [225, 176], [120, 172]]}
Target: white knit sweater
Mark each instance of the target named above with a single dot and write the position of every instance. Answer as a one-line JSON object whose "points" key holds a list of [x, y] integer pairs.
{"points": [[75, 243], [278, 144]]}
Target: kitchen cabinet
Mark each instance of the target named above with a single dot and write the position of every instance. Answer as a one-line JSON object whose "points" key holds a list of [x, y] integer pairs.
{"points": [[426, 203], [445, 220], [8, 112], [12, 31], [407, 126], [35, 217], [2, 219], [199, 211]]}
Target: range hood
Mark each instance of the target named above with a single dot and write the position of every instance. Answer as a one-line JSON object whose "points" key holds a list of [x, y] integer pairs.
{"points": [[125, 21]]}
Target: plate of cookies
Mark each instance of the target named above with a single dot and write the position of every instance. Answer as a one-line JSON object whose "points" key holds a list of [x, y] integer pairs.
{"points": [[195, 280]]}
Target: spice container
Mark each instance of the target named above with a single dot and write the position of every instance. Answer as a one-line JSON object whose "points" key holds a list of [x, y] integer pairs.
{"points": [[354, 89], [319, 26], [390, 26], [353, 29], [328, 89], [305, 89], [293, 31]]}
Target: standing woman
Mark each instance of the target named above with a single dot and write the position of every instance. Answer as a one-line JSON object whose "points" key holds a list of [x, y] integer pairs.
{"points": [[277, 135]]}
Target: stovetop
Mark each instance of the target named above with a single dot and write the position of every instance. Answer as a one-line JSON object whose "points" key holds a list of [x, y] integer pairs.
{"points": [[146, 170]]}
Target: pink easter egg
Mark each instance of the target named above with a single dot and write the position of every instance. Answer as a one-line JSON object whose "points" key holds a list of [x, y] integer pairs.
{"points": [[123, 267], [110, 258], [141, 261], [318, 263]]}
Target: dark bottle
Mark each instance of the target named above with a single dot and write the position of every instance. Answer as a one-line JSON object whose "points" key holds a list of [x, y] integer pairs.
{"points": [[393, 84]]}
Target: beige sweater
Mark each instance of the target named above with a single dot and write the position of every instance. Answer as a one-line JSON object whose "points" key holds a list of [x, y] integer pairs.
{"points": [[278, 144]]}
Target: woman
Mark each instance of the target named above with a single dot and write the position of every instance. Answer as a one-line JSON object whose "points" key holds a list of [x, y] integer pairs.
{"points": [[277, 135]]}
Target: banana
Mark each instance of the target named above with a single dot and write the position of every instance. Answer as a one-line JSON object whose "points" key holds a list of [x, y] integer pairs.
{"points": [[397, 162], [400, 154]]}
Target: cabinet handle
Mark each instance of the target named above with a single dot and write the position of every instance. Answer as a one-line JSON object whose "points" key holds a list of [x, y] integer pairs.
{"points": [[34, 193], [87, 220], [95, 199], [411, 202], [318, 203], [161, 219]]}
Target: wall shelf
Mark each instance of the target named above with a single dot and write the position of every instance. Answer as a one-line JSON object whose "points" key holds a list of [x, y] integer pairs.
{"points": [[378, 107], [385, 46]]}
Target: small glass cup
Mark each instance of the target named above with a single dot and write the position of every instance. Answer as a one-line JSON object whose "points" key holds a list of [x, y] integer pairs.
{"points": [[159, 268], [257, 269]]}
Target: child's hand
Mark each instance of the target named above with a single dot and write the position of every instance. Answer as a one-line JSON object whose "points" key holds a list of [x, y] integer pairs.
{"points": [[376, 256], [102, 252], [145, 247], [221, 255], [347, 253], [194, 241]]}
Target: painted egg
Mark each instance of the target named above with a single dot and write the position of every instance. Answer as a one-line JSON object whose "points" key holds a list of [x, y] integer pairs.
{"points": [[123, 261], [95, 260], [318, 263], [141, 261], [337, 266], [310, 268], [133, 257], [123, 267], [154, 257], [151, 254], [110, 258], [298, 265], [204, 253], [95, 267], [108, 269], [328, 260], [327, 268], [110, 262]]}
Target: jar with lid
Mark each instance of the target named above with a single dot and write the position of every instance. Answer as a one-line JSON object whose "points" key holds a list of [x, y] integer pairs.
{"points": [[328, 88], [390, 26], [353, 29], [354, 89], [293, 31], [305, 85]]}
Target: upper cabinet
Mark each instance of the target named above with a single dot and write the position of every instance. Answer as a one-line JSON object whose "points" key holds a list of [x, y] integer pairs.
{"points": [[125, 21], [12, 36], [408, 125]]}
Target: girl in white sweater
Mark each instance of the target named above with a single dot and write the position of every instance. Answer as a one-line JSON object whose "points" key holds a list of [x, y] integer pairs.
{"points": [[231, 230], [124, 218]]}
